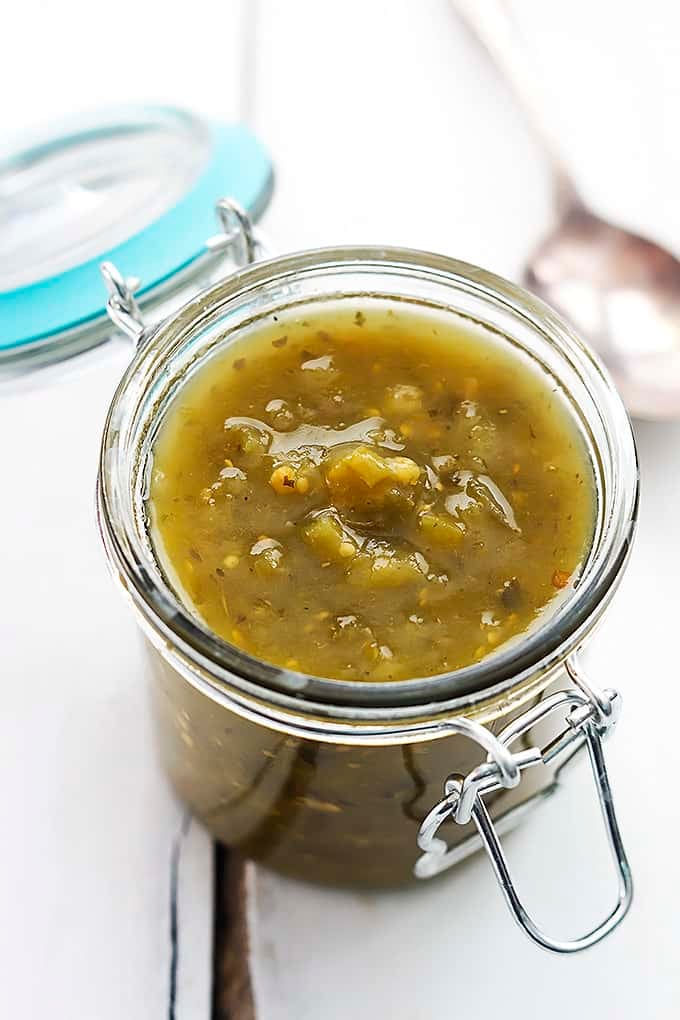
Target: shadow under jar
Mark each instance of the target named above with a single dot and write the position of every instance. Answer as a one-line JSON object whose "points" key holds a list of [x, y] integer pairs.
{"points": [[339, 781]]}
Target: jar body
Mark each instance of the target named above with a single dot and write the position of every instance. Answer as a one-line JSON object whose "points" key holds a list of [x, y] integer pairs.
{"points": [[327, 812], [339, 794]]}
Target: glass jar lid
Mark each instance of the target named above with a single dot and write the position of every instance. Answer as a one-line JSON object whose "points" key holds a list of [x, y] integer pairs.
{"points": [[137, 186]]}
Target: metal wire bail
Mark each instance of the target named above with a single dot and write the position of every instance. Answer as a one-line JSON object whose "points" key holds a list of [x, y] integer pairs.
{"points": [[590, 714], [238, 236], [121, 306], [238, 241]]}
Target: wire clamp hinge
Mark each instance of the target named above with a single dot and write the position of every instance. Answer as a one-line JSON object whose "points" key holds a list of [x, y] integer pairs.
{"points": [[121, 306], [589, 715], [238, 237]]}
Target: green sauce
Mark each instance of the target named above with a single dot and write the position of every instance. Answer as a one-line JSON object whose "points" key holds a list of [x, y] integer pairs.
{"points": [[370, 492]]}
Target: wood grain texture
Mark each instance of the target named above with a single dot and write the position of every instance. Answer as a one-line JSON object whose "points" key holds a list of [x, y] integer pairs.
{"points": [[232, 989]]}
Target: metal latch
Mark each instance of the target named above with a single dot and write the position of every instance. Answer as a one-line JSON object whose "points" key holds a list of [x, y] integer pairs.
{"points": [[589, 715], [237, 239]]}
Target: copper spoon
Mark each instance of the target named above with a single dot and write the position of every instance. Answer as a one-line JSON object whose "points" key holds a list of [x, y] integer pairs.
{"points": [[620, 291]]}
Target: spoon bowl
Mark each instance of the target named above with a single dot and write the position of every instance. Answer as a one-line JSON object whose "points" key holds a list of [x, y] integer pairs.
{"points": [[621, 292]]}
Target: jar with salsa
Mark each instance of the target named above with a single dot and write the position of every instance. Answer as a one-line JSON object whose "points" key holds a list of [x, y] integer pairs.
{"points": [[366, 505]]}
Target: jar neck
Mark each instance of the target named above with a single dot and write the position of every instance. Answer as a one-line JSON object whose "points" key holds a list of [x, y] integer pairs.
{"points": [[340, 723]]}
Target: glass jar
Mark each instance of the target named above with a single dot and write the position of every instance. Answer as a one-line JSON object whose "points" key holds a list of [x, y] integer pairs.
{"points": [[339, 781]]}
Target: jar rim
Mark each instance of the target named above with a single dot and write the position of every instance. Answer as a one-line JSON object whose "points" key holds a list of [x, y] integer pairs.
{"points": [[539, 652]]}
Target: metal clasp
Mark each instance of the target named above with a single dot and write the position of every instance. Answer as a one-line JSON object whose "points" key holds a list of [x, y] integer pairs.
{"points": [[589, 715], [238, 239], [121, 306], [238, 236]]}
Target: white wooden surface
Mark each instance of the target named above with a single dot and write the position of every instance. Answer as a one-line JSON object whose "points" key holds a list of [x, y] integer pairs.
{"points": [[386, 124], [89, 827]]}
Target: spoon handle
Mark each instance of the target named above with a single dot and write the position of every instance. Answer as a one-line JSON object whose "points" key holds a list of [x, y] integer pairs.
{"points": [[492, 24]]}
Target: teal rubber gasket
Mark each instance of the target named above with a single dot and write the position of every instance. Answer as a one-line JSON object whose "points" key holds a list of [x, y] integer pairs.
{"points": [[239, 167]]}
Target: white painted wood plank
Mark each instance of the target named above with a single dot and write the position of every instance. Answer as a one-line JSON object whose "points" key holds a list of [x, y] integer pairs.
{"points": [[90, 827], [60, 58], [88, 820], [388, 125], [379, 115]]}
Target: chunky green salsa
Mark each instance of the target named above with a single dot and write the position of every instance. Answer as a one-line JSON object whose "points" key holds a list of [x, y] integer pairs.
{"points": [[368, 491]]}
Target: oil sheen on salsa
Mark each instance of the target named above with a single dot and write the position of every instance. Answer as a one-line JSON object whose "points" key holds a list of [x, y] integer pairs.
{"points": [[370, 492]]}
